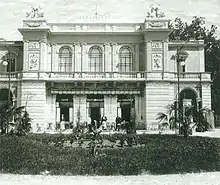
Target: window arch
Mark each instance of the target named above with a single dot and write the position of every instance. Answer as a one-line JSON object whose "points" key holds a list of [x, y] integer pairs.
{"points": [[95, 59], [65, 59], [125, 59]]}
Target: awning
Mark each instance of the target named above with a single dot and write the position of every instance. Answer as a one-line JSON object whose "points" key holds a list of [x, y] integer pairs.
{"points": [[104, 92]]}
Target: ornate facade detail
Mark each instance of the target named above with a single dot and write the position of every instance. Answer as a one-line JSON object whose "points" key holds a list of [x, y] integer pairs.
{"points": [[157, 61], [157, 45], [156, 24], [35, 12], [34, 45], [33, 61], [155, 12]]}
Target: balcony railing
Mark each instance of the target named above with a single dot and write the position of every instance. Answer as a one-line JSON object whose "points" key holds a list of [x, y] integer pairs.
{"points": [[141, 76], [97, 75], [4, 76]]}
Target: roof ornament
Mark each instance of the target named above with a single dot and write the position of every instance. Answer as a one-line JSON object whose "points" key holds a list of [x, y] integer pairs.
{"points": [[36, 12], [155, 12]]}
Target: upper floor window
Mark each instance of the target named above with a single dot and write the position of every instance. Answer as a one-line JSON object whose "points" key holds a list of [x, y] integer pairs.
{"points": [[65, 59], [125, 59], [10, 62], [11, 66], [95, 59]]}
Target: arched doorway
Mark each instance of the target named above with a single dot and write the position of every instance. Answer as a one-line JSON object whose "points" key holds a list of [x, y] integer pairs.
{"points": [[4, 93], [188, 98]]}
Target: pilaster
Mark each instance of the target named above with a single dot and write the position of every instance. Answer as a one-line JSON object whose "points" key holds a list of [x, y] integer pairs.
{"points": [[107, 57], [136, 61], [114, 57], [84, 64], [78, 60]]}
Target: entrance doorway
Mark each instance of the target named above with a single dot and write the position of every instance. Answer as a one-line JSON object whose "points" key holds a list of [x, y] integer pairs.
{"points": [[125, 106], [64, 106], [95, 106], [126, 111], [95, 113]]}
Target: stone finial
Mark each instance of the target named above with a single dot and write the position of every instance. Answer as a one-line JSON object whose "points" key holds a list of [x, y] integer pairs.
{"points": [[155, 12], [36, 12]]}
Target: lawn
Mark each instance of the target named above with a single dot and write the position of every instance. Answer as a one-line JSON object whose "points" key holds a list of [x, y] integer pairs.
{"points": [[118, 154]]}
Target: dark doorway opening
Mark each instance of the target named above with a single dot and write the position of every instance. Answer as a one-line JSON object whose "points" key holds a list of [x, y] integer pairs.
{"points": [[95, 113], [126, 111], [64, 113]]}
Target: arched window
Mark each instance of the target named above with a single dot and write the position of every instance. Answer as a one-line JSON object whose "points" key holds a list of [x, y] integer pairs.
{"points": [[125, 59], [65, 59], [95, 59]]}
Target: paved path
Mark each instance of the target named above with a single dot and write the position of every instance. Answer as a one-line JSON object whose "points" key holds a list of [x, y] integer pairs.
{"points": [[211, 178]]}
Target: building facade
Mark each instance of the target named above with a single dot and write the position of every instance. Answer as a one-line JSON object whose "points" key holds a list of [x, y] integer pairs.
{"points": [[67, 71]]}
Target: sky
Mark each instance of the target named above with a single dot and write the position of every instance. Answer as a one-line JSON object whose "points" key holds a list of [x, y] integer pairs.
{"points": [[13, 11]]}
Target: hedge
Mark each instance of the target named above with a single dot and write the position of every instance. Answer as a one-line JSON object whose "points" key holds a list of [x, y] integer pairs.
{"points": [[155, 154]]}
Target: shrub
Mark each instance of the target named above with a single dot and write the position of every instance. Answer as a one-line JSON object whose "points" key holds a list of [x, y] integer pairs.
{"points": [[159, 154]]}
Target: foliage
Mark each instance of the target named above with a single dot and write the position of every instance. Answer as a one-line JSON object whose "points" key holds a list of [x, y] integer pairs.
{"points": [[188, 118], [15, 117], [158, 154], [196, 30]]}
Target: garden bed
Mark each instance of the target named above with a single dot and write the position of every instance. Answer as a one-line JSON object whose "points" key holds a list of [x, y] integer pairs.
{"points": [[156, 154]]}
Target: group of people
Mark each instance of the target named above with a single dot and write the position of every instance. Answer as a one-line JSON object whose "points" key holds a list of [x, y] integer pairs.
{"points": [[102, 124], [96, 124]]}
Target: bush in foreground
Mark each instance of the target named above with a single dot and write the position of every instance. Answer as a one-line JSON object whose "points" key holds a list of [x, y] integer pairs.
{"points": [[158, 154]]}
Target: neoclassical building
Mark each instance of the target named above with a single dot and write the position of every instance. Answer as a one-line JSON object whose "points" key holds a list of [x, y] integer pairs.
{"points": [[62, 71]]}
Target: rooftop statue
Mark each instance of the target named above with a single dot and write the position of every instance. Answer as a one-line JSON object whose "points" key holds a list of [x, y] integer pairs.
{"points": [[155, 12], [35, 12]]}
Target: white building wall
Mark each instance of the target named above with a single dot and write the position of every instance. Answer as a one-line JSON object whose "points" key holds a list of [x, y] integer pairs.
{"points": [[158, 96], [34, 98], [110, 107], [206, 95]]}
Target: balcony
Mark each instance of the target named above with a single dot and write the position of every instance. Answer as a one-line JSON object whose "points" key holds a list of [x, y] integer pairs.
{"points": [[97, 76], [106, 76], [14, 76]]}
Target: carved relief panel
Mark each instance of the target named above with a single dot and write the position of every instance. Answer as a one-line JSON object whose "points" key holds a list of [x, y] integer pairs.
{"points": [[33, 59], [157, 61], [157, 45], [34, 45]]}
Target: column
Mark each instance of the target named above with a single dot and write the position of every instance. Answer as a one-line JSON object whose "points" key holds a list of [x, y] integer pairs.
{"points": [[49, 57], [79, 108], [84, 64], [167, 65], [54, 111], [107, 58], [43, 54], [25, 56], [206, 95], [77, 57], [110, 107], [148, 56], [136, 65], [115, 59], [54, 57]]}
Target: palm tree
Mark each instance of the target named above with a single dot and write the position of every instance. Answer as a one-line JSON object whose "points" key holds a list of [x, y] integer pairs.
{"points": [[189, 118]]}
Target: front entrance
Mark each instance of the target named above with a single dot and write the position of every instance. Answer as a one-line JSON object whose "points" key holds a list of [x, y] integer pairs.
{"points": [[95, 106], [126, 111], [64, 106], [95, 113], [125, 106]]}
